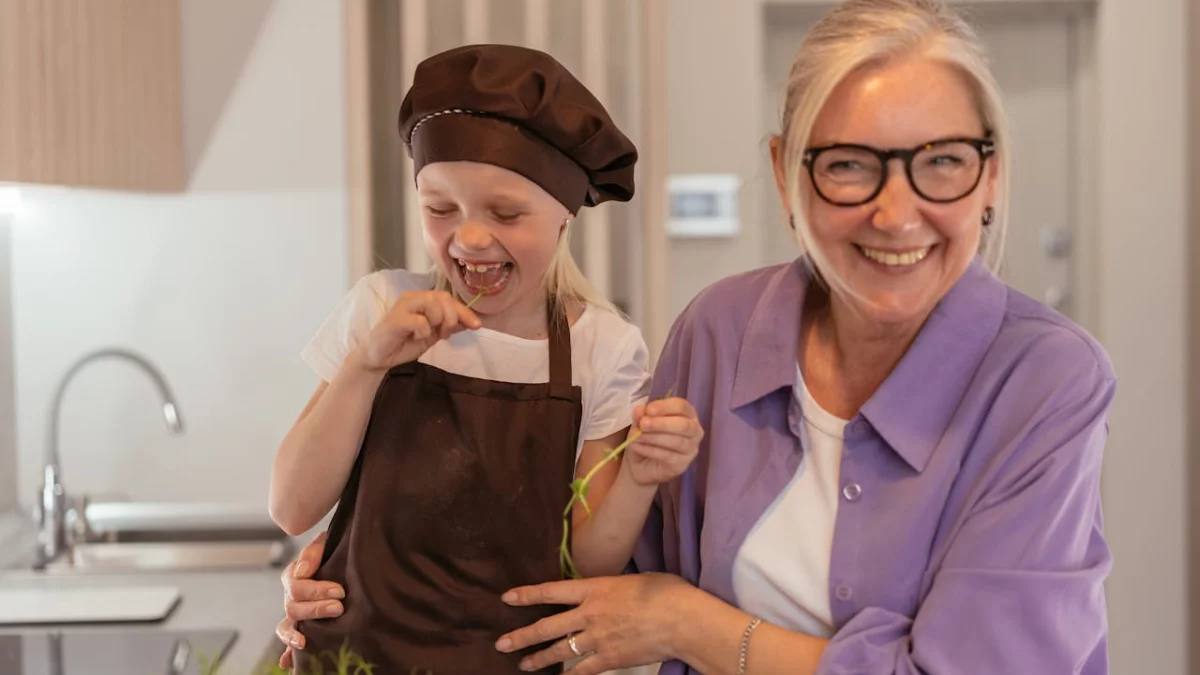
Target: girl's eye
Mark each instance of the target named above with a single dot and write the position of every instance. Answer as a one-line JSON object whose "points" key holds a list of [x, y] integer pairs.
{"points": [[507, 217], [439, 212]]}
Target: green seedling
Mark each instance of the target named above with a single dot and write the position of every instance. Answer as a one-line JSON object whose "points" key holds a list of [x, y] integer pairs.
{"points": [[345, 662]]}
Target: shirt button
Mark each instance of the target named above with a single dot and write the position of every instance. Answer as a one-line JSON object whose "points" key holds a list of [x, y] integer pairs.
{"points": [[852, 492], [842, 592]]}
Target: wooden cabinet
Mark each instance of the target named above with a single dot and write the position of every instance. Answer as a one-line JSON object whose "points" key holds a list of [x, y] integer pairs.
{"points": [[91, 94]]}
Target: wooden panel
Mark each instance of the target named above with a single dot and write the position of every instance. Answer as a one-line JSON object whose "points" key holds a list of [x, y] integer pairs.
{"points": [[537, 24], [414, 48], [655, 319], [91, 93], [388, 160], [1193, 311], [596, 223], [357, 17], [476, 19]]}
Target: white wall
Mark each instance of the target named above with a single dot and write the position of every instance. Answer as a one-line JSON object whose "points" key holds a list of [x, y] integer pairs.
{"points": [[220, 287], [8, 408], [1137, 237]]}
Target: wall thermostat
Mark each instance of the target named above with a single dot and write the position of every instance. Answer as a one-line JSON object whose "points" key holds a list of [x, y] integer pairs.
{"points": [[703, 205]]}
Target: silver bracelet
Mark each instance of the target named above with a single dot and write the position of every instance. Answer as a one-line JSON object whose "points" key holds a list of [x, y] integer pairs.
{"points": [[746, 645]]}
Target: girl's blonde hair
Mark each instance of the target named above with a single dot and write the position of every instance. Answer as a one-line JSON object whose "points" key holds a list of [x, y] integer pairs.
{"points": [[861, 33], [563, 278]]}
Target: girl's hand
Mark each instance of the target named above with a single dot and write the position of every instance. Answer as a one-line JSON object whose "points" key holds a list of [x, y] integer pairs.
{"points": [[417, 321], [669, 441]]}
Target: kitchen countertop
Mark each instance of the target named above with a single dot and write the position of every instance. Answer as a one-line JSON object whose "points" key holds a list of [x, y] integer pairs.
{"points": [[248, 601]]}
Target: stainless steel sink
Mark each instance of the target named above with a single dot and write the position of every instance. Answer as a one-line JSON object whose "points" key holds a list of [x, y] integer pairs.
{"points": [[127, 557], [127, 537]]}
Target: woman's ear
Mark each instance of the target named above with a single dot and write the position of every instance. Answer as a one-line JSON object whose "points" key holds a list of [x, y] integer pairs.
{"points": [[990, 179], [777, 164]]}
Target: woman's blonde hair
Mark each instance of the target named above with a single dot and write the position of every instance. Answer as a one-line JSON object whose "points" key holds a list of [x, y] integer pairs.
{"points": [[861, 33], [563, 278]]}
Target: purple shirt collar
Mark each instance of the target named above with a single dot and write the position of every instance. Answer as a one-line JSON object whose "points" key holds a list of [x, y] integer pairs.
{"points": [[947, 351]]}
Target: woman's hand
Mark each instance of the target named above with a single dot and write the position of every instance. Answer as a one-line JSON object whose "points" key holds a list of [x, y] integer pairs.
{"points": [[417, 321], [669, 439], [618, 622], [305, 599]]}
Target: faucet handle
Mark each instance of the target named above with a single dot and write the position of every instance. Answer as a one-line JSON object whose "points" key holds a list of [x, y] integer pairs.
{"points": [[79, 528], [50, 514]]}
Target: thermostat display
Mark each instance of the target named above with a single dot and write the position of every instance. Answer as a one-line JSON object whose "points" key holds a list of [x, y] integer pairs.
{"points": [[703, 205]]}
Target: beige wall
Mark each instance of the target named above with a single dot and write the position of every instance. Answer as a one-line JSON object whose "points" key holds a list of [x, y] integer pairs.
{"points": [[714, 122], [1141, 232]]}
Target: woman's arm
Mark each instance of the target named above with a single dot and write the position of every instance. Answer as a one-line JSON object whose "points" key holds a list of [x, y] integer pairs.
{"points": [[714, 644], [315, 458], [640, 619]]}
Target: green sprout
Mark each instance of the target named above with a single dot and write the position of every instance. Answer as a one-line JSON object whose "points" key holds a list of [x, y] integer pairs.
{"points": [[345, 662], [579, 490], [475, 299]]}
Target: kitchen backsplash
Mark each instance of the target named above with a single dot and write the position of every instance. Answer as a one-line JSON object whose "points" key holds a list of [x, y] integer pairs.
{"points": [[8, 407]]}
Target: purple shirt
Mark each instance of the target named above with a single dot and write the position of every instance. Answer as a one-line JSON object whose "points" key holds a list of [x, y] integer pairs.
{"points": [[969, 538]]}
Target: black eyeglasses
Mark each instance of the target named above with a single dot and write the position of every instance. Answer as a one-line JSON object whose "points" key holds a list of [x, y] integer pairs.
{"points": [[942, 171]]}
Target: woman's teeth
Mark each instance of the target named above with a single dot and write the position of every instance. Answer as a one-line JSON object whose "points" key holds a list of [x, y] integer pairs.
{"points": [[896, 259]]}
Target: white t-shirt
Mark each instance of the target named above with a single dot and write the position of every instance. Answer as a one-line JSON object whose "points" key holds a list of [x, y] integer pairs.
{"points": [[781, 572], [609, 358]]}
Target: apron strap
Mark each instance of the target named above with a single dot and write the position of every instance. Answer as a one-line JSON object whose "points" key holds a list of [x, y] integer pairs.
{"points": [[560, 344]]}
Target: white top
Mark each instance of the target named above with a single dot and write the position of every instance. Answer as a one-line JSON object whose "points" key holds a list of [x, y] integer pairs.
{"points": [[609, 358], [781, 573]]}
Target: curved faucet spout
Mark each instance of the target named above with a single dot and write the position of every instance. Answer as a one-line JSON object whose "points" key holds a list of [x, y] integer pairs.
{"points": [[52, 507]]}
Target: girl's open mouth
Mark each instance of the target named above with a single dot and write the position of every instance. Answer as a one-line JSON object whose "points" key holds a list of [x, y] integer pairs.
{"points": [[487, 278]]}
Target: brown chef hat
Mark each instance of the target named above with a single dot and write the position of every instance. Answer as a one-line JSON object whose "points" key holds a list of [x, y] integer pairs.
{"points": [[519, 109]]}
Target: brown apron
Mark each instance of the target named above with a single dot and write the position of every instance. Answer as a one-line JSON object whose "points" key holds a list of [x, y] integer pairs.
{"points": [[457, 495]]}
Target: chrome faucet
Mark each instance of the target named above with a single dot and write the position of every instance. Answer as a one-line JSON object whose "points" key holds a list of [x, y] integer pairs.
{"points": [[54, 504]]}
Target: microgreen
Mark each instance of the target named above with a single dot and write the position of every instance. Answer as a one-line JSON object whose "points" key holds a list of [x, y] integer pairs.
{"points": [[579, 490], [345, 662]]}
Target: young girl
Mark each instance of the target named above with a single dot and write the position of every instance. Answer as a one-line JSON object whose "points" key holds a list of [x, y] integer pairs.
{"points": [[456, 407]]}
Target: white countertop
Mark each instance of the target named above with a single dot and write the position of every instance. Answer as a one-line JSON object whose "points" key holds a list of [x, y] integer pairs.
{"points": [[248, 601]]}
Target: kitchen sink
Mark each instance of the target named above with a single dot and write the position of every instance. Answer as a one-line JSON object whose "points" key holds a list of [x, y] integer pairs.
{"points": [[121, 538], [125, 557]]}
